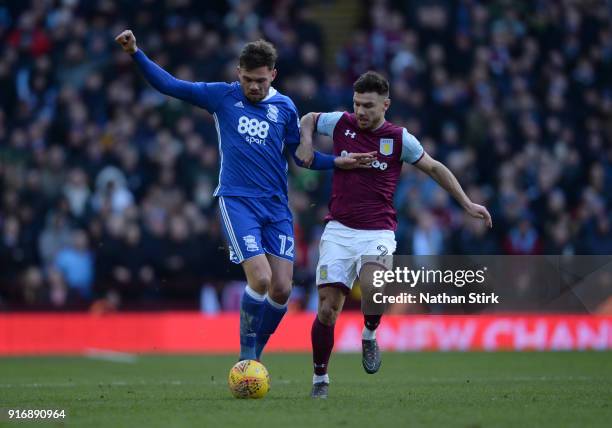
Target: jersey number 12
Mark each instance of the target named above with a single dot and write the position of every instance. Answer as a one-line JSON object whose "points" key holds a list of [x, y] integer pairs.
{"points": [[284, 239]]}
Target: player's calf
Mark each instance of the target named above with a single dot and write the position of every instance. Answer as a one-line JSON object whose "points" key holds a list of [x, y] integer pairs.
{"points": [[275, 304], [251, 311], [259, 277], [331, 300], [272, 314]]}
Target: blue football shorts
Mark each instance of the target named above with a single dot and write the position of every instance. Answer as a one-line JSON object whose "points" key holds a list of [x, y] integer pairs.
{"points": [[256, 226]]}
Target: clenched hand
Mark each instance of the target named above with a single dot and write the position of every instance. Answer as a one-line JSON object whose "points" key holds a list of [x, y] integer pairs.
{"points": [[127, 41]]}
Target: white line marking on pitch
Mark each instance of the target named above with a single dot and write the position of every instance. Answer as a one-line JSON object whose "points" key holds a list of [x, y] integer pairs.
{"points": [[112, 356]]}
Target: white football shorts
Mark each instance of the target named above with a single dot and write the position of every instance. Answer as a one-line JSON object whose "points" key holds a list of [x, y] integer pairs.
{"points": [[342, 247]]}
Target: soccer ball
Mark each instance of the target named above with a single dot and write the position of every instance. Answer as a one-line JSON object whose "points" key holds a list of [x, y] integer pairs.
{"points": [[249, 379]]}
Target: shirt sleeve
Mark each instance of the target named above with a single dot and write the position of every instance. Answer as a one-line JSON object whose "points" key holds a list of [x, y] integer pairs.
{"points": [[326, 122], [292, 128], [320, 161], [412, 151], [205, 95], [210, 95]]}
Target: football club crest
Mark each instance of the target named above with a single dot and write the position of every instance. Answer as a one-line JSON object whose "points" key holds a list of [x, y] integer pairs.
{"points": [[251, 243], [272, 113], [323, 272], [386, 146]]}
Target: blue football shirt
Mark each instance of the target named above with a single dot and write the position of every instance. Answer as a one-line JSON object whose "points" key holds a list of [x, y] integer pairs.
{"points": [[252, 137]]}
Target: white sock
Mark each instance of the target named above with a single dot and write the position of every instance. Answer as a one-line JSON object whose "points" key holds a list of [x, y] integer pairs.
{"points": [[368, 334], [254, 294], [276, 304], [319, 379]]}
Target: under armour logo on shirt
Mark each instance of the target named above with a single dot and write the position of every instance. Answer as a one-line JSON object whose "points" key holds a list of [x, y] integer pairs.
{"points": [[348, 133]]}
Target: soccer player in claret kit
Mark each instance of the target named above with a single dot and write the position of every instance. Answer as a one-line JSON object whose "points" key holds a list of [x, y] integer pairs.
{"points": [[362, 219], [254, 124]]}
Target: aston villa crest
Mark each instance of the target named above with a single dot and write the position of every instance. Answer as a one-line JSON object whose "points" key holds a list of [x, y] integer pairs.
{"points": [[323, 272], [386, 146]]}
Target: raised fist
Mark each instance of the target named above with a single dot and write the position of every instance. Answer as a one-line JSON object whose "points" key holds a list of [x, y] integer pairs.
{"points": [[127, 41]]}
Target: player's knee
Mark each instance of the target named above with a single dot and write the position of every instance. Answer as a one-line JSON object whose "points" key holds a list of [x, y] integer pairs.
{"points": [[260, 282], [327, 315], [328, 311], [280, 293]]}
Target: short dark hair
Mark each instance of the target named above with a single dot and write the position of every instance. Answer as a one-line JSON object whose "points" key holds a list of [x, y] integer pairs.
{"points": [[258, 54], [372, 81]]}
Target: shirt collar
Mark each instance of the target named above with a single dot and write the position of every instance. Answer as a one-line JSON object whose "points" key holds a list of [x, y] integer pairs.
{"points": [[271, 93]]}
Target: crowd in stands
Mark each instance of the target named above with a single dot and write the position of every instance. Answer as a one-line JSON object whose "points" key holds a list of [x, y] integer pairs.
{"points": [[106, 185]]}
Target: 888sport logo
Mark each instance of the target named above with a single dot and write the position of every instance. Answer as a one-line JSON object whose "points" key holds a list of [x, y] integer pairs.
{"points": [[255, 131]]}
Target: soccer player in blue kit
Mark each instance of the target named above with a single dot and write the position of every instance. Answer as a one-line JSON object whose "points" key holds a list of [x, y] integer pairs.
{"points": [[254, 123]]}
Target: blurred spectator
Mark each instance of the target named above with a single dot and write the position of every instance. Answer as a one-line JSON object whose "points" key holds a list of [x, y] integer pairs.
{"points": [[75, 263], [34, 291], [523, 239], [428, 238], [55, 236], [77, 193], [112, 191], [132, 268], [597, 236], [14, 257], [474, 238]]}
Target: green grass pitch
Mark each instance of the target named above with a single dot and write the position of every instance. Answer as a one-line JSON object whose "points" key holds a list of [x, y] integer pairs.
{"points": [[411, 389]]}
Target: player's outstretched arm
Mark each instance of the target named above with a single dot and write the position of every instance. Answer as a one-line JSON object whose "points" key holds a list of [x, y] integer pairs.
{"points": [[305, 151], [324, 161], [306, 157], [445, 178], [157, 77]]}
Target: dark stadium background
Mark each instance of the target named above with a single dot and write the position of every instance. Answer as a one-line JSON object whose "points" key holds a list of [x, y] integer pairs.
{"points": [[105, 185]]}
